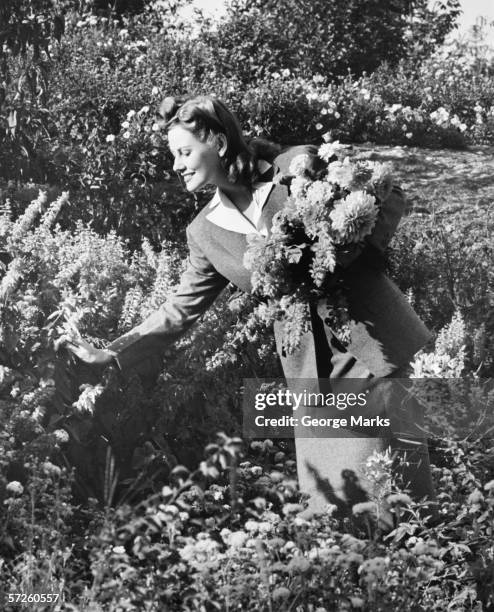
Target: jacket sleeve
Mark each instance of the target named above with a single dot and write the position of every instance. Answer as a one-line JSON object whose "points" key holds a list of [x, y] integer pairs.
{"points": [[199, 286]]}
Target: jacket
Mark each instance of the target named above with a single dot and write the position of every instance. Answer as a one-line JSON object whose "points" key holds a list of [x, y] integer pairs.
{"points": [[385, 330]]}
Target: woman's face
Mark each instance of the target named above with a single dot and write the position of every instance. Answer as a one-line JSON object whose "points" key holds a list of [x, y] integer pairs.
{"points": [[196, 161]]}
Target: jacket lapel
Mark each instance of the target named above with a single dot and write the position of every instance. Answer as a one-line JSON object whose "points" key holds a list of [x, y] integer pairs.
{"points": [[222, 213], [226, 215], [277, 198]]}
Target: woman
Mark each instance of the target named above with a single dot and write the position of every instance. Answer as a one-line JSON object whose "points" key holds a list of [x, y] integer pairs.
{"points": [[209, 149]]}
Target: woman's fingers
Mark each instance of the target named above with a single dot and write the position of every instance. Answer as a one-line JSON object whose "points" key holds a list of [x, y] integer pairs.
{"points": [[63, 340], [83, 350], [74, 345]]}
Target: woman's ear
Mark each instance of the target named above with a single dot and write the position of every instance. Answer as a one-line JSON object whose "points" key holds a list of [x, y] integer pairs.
{"points": [[221, 144]]}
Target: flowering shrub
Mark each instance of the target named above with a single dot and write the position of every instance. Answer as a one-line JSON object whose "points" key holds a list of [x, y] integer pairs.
{"points": [[207, 540], [58, 281], [440, 261]]}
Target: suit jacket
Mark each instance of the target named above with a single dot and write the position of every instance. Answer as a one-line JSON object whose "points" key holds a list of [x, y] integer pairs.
{"points": [[386, 332]]}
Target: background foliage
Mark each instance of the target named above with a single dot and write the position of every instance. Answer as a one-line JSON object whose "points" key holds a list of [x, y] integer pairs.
{"points": [[72, 130]]}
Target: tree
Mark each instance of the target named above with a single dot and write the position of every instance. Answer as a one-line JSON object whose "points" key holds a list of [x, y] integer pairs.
{"points": [[328, 37], [27, 29]]}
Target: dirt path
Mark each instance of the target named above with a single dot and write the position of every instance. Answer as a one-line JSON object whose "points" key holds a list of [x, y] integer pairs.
{"points": [[442, 180]]}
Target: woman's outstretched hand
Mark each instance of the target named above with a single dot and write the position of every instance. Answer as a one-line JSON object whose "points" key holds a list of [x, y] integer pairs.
{"points": [[88, 353]]}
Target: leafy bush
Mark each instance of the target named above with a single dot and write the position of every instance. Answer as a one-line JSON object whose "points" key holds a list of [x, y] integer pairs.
{"points": [[29, 31], [441, 260], [230, 534], [58, 279], [254, 39]]}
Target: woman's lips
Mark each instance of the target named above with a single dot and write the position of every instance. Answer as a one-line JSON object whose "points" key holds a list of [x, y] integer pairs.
{"points": [[187, 176]]}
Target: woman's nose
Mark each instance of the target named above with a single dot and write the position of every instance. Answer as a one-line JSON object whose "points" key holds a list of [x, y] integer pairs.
{"points": [[178, 164]]}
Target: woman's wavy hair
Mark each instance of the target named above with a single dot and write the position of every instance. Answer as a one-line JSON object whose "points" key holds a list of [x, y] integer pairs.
{"points": [[206, 116]]}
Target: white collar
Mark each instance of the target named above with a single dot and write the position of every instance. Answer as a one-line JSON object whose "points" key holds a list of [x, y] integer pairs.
{"points": [[225, 214]]}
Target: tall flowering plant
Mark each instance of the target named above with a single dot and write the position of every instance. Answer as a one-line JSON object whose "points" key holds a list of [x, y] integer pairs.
{"points": [[321, 228]]}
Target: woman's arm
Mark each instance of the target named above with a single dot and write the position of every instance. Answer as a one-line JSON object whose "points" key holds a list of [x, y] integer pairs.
{"points": [[199, 286]]}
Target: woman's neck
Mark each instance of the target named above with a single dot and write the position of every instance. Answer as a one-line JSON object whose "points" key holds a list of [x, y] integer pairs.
{"points": [[239, 194]]}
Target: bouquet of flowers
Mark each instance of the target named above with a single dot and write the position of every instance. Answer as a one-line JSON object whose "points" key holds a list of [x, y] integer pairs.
{"points": [[321, 228]]}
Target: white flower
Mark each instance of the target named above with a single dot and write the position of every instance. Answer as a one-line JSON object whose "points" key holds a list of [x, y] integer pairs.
{"points": [[319, 192], [87, 398], [475, 497], [381, 173], [298, 186], [155, 91], [225, 534], [299, 164], [15, 487], [125, 125], [340, 173], [252, 526], [399, 498], [126, 135], [110, 138], [376, 566], [357, 602], [50, 469], [265, 527], [354, 217], [144, 110], [119, 550], [364, 508], [237, 539], [38, 413], [328, 149], [170, 509], [130, 114], [61, 436]]}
